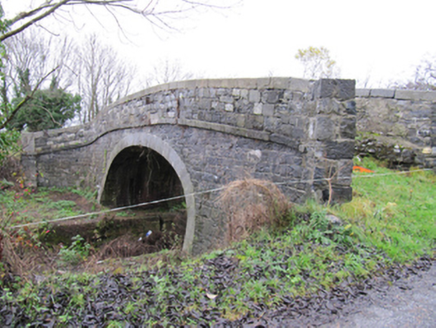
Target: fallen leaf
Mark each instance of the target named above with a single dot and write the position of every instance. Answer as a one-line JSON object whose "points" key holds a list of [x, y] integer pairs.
{"points": [[211, 296]]}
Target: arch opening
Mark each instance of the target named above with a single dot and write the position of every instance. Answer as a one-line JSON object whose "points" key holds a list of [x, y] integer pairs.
{"points": [[137, 175]]}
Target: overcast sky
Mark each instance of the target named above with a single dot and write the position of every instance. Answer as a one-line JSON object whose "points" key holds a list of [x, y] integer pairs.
{"points": [[383, 40]]}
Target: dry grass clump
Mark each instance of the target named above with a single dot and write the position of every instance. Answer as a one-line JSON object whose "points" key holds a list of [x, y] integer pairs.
{"points": [[251, 204], [21, 260]]}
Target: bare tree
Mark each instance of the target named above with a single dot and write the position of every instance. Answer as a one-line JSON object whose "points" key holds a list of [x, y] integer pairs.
{"points": [[317, 63], [167, 70], [40, 54], [423, 79], [425, 75], [93, 70], [102, 77], [159, 13]]}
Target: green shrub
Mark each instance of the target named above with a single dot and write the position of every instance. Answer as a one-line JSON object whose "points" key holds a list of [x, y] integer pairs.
{"points": [[75, 253]]}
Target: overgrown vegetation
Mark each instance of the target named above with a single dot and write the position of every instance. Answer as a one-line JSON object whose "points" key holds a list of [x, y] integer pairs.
{"points": [[26, 205], [77, 252], [391, 220], [394, 212]]}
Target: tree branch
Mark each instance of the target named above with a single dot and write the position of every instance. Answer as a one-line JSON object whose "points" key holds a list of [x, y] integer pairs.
{"points": [[25, 100], [151, 11], [51, 115], [33, 21]]}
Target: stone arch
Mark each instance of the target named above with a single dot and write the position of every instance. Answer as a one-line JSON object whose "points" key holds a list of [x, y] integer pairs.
{"points": [[170, 155]]}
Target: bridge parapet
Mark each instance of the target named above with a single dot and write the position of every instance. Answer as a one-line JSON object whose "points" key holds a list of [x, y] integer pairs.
{"points": [[289, 111]]}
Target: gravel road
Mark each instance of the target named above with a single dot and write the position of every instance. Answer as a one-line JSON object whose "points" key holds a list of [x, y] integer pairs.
{"points": [[409, 302]]}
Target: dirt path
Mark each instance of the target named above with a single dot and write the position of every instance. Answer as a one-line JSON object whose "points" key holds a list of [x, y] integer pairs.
{"points": [[409, 302]]}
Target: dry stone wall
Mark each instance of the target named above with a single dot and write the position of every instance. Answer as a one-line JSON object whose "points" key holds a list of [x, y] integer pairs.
{"points": [[290, 131], [397, 125]]}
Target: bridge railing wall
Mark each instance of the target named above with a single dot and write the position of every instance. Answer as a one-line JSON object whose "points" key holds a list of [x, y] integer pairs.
{"points": [[315, 118]]}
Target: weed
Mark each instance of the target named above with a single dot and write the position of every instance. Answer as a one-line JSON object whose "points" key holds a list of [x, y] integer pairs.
{"points": [[115, 324], [178, 207], [63, 204], [77, 252], [123, 214]]}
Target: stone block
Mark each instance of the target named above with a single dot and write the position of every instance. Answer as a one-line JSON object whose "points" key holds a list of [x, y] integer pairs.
{"points": [[350, 107], [271, 96], [415, 95], [339, 149], [244, 94], [28, 142], [227, 99], [240, 120], [363, 93], [348, 128], [254, 96], [335, 88], [325, 128], [271, 124], [299, 85], [279, 82], [236, 93], [281, 139], [229, 108], [254, 122], [382, 93], [204, 104], [243, 106], [203, 93], [268, 110], [257, 109]]}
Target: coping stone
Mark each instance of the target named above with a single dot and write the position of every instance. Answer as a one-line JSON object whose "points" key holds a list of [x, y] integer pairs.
{"points": [[363, 92], [415, 95], [383, 93]]}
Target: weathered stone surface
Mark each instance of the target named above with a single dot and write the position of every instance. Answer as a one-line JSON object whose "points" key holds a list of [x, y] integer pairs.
{"points": [[384, 93], [406, 116], [272, 96], [211, 132], [348, 128], [339, 149], [415, 95], [385, 149], [363, 92], [351, 107], [333, 88], [254, 96], [325, 128]]}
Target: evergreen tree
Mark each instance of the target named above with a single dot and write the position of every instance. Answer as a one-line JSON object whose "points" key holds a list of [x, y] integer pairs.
{"points": [[47, 109]]}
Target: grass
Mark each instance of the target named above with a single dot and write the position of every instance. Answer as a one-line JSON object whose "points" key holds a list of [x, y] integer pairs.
{"points": [[394, 213], [28, 205], [390, 220]]}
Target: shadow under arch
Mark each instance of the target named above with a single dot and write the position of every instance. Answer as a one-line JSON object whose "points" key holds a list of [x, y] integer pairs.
{"points": [[162, 148]]}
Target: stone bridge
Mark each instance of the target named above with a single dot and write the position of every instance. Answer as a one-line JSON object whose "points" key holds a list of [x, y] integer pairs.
{"points": [[188, 137]]}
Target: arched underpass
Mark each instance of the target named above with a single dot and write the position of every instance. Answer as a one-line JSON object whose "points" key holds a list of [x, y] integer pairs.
{"points": [[140, 175]]}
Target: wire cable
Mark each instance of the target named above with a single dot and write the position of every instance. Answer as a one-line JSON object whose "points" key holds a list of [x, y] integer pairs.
{"points": [[370, 175]]}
